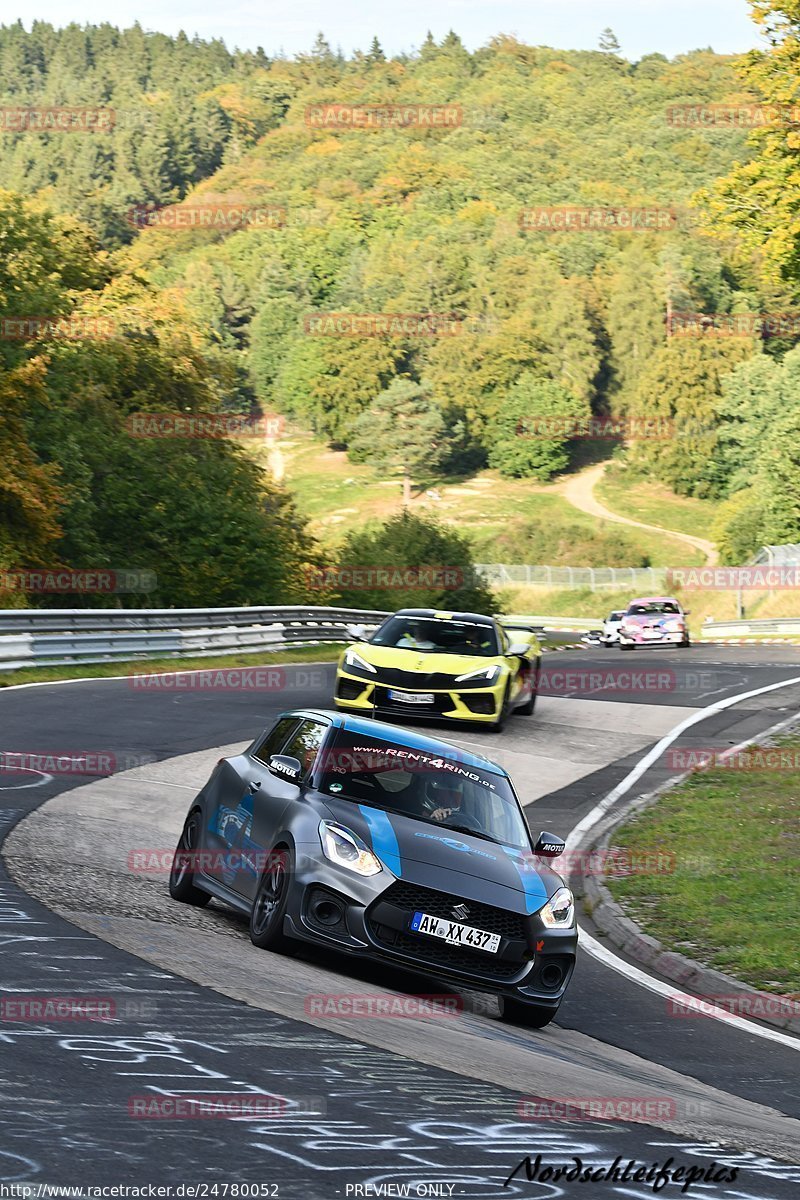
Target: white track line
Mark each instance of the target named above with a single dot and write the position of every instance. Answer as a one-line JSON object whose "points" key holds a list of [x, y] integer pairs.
{"points": [[592, 818]]}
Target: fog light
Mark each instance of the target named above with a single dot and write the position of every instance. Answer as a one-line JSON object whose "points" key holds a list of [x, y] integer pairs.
{"points": [[551, 976]]}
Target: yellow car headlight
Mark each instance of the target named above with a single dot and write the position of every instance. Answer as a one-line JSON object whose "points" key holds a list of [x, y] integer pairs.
{"points": [[488, 675], [357, 663]]}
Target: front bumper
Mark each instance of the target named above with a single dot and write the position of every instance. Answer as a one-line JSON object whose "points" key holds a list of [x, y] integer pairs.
{"points": [[355, 694], [532, 962], [672, 637]]}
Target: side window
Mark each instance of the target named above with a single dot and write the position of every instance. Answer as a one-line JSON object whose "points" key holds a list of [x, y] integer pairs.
{"points": [[305, 743], [273, 742]]}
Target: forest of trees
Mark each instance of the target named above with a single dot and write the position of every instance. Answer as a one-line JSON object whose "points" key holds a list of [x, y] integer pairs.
{"points": [[387, 220]]}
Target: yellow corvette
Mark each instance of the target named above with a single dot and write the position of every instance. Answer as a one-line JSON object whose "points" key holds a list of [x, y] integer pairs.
{"points": [[451, 665]]}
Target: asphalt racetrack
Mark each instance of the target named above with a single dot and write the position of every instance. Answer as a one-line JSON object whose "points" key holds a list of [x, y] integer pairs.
{"points": [[360, 1105]]}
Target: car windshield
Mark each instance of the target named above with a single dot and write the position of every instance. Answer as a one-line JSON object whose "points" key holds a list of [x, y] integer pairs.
{"points": [[437, 635], [442, 790], [655, 607], [616, 616]]}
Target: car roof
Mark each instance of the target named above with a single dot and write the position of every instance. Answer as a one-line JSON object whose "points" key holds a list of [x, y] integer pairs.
{"points": [[366, 727], [445, 614], [653, 600]]}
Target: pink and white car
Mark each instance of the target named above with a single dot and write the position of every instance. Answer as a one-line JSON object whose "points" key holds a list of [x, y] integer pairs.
{"points": [[653, 621]]}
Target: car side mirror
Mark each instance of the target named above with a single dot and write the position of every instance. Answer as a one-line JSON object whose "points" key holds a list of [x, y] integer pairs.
{"points": [[356, 632], [285, 767], [549, 846]]}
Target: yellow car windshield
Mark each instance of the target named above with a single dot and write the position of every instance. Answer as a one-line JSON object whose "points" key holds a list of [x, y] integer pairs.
{"points": [[432, 636]]}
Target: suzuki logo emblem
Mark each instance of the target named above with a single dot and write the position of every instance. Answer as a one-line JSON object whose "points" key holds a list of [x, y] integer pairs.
{"points": [[461, 911]]}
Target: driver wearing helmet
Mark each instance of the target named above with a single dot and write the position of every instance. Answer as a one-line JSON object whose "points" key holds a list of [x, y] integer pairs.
{"points": [[444, 797]]}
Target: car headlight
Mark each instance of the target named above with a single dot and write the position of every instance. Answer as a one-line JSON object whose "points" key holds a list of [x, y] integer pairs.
{"points": [[351, 659], [675, 623], [559, 912], [487, 674], [346, 848]]}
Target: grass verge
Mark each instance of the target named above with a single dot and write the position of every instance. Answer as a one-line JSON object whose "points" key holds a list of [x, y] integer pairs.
{"points": [[506, 520], [643, 500], [326, 653], [732, 901]]}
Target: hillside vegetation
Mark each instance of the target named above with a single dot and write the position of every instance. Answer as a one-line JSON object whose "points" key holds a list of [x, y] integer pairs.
{"points": [[512, 328]]}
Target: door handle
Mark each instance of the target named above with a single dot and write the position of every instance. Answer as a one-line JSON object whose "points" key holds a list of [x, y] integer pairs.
{"points": [[254, 786]]}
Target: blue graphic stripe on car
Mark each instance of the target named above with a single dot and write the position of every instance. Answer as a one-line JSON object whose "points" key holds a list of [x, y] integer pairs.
{"points": [[384, 838]]}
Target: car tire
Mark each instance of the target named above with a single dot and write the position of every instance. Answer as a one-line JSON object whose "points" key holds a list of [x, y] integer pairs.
{"points": [[685, 644], [626, 646], [271, 901], [520, 1012], [181, 876], [530, 704], [497, 726]]}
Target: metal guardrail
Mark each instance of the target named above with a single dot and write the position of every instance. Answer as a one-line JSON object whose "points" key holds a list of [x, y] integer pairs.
{"points": [[557, 624], [60, 637], [67, 636], [777, 627]]}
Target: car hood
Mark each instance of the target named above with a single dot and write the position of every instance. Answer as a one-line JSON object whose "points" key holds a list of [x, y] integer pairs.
{"points": [[433, 856], [425, 661]]}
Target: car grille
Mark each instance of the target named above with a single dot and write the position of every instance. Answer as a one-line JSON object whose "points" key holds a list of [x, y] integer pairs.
{"points": [[411, 898], [422, 681]]}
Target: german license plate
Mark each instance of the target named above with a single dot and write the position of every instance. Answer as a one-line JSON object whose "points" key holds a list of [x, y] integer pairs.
{"points": [[454, 933], [412, 697]]}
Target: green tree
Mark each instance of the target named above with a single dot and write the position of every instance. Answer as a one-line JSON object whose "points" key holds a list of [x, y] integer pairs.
{"points": [[759, 199], [533, 428], [679, 393], [429, 564], [401, 433]]}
